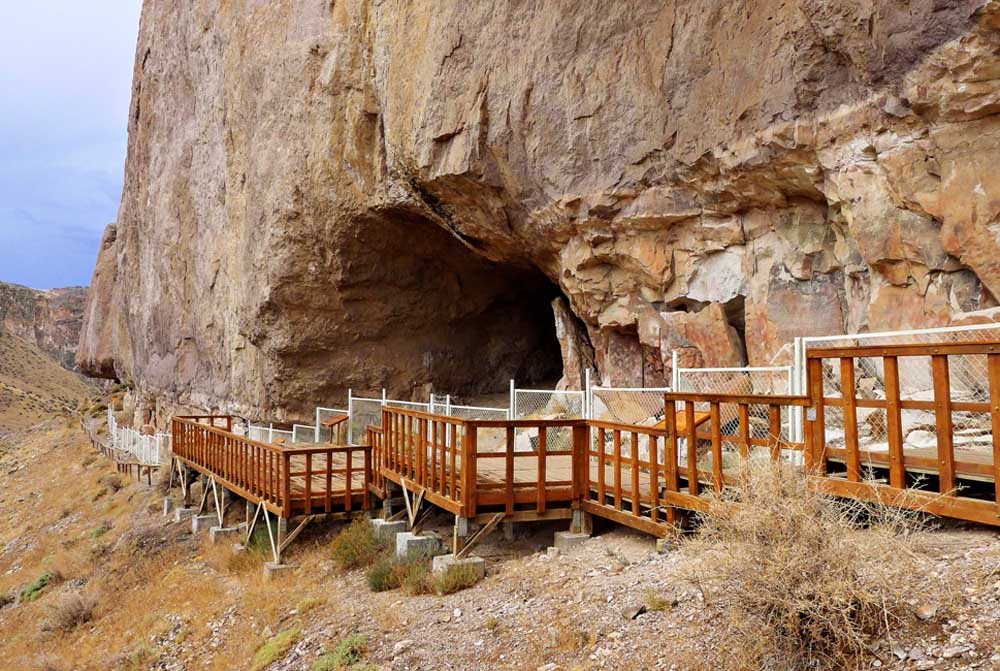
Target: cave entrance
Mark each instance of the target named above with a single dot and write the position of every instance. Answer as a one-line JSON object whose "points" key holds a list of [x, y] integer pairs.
{"points": [[431, 313]]}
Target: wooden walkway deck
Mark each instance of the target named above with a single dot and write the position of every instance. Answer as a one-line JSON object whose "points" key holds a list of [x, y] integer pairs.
{"points": [[301, 480], [641, 476]]}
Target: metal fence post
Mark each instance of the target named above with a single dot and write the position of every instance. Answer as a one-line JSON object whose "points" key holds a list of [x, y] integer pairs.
{"points": [[350, 417], [586, 393], [675, 372], [512, 411]]}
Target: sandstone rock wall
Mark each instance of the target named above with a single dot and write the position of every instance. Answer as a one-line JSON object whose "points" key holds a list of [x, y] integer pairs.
{"points": [[49, 319], [331, 194]]}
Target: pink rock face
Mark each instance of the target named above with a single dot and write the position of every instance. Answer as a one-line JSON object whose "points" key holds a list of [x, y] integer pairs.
{"points": [[49, 319], [330, 195]]}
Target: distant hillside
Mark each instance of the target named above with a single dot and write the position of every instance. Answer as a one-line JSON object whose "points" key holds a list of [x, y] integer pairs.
{"points": [[33, 385], [49, 319]]}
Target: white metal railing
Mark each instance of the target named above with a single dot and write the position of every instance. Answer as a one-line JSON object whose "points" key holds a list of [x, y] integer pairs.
{"points": [[148, 450]]}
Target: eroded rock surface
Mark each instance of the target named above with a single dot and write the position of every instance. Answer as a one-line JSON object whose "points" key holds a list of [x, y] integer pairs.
{"points": [[48, 319], [354, 194]]}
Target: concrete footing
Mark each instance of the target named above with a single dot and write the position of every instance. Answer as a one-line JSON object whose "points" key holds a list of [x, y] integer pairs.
{"points": [[387, 531], [168, 505], [181, 514], [199, 522], [215, 533], [567, 540], [412, 546], [274, 571], [444, 563]]}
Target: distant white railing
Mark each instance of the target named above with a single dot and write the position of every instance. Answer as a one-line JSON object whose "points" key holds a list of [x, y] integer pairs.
{"points": [[147, 450]]}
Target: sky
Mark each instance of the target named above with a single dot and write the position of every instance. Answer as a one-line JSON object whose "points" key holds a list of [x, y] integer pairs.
{"points": [[65, 85]]}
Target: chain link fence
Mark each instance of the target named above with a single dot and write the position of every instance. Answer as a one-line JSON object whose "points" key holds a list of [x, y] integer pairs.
{"points": [[641, 406]]}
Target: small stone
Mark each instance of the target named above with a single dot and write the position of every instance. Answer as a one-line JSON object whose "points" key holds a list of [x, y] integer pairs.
{"points": [[926, 611], [916, 655], [634, 611], [457, 613], [899, 651], [955, 651], [401, 647], [551, 666]]}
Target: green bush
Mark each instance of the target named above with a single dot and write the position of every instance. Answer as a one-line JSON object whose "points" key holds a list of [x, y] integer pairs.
{"points": [[455, 579], [347, 655], [35, 589], [356, 546], [414, 577], [276, 648], [382, 575]]}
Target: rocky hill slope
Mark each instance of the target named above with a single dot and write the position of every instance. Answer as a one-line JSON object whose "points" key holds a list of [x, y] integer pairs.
{"points": [[328, 195], [49, 319], [33, 386], [92, 576]]}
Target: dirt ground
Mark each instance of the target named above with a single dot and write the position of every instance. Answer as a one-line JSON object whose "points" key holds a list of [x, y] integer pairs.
{"points": [[162, 598]]}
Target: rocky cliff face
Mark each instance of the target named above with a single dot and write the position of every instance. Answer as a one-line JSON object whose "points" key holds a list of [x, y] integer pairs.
{"points": [[49, 319], [331, 194]]}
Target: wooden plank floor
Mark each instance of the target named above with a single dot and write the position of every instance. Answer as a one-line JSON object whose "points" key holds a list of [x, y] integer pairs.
{"points": [[970, 464]]}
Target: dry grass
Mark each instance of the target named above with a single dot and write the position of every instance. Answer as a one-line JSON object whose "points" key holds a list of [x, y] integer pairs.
{"points": [[795, 580], [69, 612], [356, 546]]}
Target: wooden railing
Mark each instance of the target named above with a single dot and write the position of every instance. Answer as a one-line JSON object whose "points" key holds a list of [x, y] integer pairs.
{"points": [[640, 490], [938, 462], [458, 469], [289, 481]]}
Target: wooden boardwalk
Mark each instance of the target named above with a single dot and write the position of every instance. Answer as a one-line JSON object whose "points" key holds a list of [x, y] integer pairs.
{"points": [[302, 480], [645, 477]]}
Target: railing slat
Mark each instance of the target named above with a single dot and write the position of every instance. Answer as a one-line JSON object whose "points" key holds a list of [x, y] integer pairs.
{"points": [[847, 392], [942, 412]]}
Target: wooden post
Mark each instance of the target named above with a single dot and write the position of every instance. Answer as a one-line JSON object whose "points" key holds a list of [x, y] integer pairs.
{"points": [[715, 418], [543, 436], [894, 423], [848, 394], [469, 449], [942, 412], [692, 438], [509, 472], [815, 370]]}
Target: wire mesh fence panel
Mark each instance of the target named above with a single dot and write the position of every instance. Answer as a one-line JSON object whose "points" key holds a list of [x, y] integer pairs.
{"points": [[544, 404], [365, 412], [767, 380], [303, 433], [548, 404], [637, 406], [322, 415], [281, 434], [439, 404], [968, 379], [477, 412], [261, 434]]}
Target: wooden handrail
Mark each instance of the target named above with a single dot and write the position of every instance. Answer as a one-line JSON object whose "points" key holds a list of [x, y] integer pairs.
{"points": [[748, 399], [262, 472], [926, 349]]}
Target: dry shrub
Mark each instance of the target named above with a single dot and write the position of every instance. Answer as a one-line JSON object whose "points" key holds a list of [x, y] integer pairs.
{"points": [[455, 579], [414, 576], [794, 579], [356, 546], [72, 610]]}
